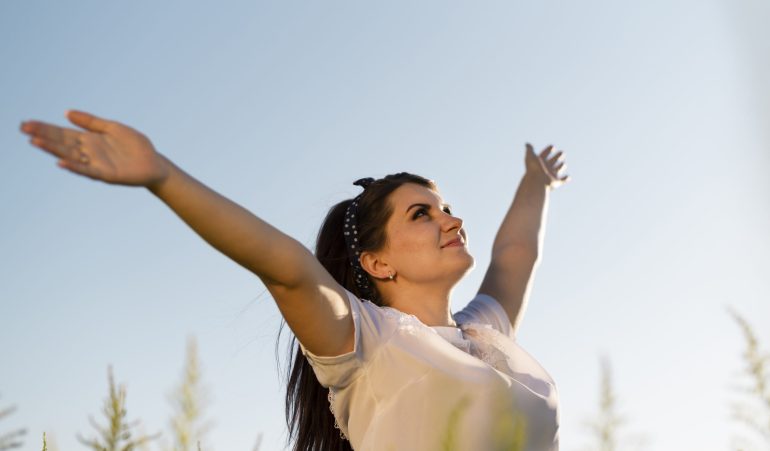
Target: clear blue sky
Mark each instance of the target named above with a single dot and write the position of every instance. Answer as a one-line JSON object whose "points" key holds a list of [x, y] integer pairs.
{"points": [[661, 108]]}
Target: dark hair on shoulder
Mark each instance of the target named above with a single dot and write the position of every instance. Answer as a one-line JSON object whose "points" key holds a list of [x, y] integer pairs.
{"points": [[309, 419]]}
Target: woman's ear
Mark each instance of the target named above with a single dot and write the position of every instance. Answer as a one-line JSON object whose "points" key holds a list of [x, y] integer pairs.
{"points": [[375, 265]]}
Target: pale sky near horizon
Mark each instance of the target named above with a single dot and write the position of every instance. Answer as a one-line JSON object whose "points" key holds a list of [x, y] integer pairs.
{"points": [[661, 107]]}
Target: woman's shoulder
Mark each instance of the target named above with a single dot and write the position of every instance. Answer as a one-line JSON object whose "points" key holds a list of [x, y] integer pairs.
{"points": [[484, 309], [383, 317], [374, 323], [384, 322]]}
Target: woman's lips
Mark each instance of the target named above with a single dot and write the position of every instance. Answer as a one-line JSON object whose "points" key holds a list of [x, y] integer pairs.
{"points": [[453, 243]]}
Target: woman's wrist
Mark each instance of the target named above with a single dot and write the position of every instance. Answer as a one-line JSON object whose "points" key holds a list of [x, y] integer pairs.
{"points": [[538, 178], [165, 168]]}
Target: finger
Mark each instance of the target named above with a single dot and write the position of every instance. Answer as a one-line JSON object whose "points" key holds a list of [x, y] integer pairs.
{"points": [[57, 148], [88, 121], [50, 132], [530, 149], [546, 151], [556, 156]]}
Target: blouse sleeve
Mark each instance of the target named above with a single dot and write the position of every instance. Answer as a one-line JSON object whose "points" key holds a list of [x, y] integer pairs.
{"points": [[340, 370], [485, 309]]}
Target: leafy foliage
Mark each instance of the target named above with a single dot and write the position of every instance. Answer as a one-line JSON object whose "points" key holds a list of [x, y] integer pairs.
{"points": [[188, 401], [508, 430], [117, 435], [607, 422], [754, 408], [11, 439]]}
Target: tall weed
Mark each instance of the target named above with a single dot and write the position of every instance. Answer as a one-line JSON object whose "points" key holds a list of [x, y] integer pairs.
{"points": [[188, 400], [117, 435], [12, 439], [753, 408]]}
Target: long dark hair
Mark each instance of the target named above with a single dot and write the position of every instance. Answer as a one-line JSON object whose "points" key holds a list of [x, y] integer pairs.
{"points": [[308, 417]]}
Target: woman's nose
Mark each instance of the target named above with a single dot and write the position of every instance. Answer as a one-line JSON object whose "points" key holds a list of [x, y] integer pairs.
{"points": [[453, 222]]}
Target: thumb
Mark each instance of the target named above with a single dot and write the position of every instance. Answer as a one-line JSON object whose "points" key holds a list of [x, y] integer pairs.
{"points": [[87, 121], [530, 150]]}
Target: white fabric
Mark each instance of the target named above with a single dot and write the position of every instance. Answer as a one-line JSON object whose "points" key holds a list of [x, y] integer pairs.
{"points": [[408, 386]]}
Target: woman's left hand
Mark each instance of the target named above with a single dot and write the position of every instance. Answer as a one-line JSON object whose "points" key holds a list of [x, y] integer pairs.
{"points": [[546, 168]]}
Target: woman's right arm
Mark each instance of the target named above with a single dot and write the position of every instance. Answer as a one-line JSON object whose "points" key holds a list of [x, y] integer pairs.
{"points": [[314, 305], [251, 242]]}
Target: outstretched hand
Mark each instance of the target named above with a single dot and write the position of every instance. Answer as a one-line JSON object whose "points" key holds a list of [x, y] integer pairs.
{"points": [[544, 168], [105, 150]]}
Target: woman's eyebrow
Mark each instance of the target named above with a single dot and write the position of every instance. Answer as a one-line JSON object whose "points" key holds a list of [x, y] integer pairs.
{"points": [[426, 206]]}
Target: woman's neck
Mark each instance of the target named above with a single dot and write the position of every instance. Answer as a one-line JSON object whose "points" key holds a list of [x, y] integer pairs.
{"points": [[430, 305]]}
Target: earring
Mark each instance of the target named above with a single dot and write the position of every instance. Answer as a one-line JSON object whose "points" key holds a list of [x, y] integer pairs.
{"points": [[390, 276]]}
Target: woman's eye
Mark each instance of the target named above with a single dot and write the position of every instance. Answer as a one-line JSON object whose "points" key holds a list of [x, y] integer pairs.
{"points": [[422, 210]]}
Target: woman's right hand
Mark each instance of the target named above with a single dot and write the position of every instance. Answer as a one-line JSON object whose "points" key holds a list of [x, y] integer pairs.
{"points": [[106, 150]]}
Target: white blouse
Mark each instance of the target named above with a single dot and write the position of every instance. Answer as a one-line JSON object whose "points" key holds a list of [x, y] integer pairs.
{"points": [[408, 386]]}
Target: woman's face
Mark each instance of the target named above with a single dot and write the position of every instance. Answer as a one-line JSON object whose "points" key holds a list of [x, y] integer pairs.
{"points": [[417, 231]]}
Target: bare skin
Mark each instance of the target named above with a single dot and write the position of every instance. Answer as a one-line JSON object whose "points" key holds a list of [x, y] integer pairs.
{"points": [[314, 305], [114, 153], [425, 272]]}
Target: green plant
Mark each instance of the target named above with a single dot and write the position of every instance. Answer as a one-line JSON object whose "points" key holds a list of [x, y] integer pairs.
{"points": [[754, 408], [258, 443], [188, 401], [11, 439], [606, 424], [607, 421], [117, 435], [449, 442], [508, 430]]}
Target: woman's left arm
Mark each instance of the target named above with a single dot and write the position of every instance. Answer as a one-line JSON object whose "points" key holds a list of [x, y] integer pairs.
{"points": [[519, 241]]}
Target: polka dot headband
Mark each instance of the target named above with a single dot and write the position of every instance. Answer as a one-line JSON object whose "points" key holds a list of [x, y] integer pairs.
{"points": [[351, 239]]}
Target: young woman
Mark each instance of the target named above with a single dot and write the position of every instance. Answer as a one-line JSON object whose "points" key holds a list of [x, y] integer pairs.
{"points": [[382, 363]]}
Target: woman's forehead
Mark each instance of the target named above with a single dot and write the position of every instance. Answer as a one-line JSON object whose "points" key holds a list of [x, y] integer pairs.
{"points": [[411, 193]]}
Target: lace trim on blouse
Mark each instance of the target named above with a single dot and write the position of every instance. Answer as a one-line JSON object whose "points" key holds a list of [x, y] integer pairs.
{"points": [[330, 397], [406, 321]]}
